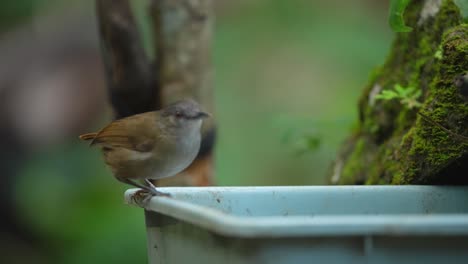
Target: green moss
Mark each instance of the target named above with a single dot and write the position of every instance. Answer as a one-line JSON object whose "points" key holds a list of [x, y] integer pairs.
{"points": [[393, 144], [354, 165], [398, 179], [373, 178], [433, 149]]}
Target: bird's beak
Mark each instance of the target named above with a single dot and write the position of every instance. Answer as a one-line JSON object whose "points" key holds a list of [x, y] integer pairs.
{"points": [[203, 115]]}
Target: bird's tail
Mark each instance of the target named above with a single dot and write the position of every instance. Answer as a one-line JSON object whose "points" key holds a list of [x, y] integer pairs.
{"points": [[88, 136]]}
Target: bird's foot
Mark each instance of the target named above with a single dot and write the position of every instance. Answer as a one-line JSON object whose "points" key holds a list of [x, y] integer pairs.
{"points": [[153, 191], [149, 188], [142, 197]]}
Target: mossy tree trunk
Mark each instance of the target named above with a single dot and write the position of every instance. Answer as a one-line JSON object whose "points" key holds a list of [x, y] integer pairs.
{"points": [[393, 144]]}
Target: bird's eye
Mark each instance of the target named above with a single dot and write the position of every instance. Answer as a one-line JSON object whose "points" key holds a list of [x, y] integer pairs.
{"points": [[178, 114]]}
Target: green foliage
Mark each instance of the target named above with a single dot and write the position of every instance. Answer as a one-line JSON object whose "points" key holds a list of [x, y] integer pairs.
{"points": [[300, 142], [395, 19], [408, 96], [307, 143], [438, 54]]}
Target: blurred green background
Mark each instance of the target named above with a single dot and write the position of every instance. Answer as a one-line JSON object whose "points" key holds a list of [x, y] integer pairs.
{"points": [[287, 78]]}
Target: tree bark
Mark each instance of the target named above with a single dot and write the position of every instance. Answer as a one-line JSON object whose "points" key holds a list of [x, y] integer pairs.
{"points": [[183, 33], [132, 83], [182, 67], [397, 145]]}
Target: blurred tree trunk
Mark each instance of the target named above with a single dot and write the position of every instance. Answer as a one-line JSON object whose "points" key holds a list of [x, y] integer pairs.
{"points": [[181, 68], [395, 144]]}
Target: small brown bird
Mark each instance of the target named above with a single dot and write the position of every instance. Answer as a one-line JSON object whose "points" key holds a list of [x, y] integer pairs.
{"points": [[151, 145]]}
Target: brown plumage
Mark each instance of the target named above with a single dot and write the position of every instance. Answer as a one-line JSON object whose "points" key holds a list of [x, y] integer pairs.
{"points": [[133, 132], [151, 145], [88, 136]]}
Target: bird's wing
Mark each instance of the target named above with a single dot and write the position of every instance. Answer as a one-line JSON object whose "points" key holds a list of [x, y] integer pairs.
{"points": [[88, 136], [134, 133]]}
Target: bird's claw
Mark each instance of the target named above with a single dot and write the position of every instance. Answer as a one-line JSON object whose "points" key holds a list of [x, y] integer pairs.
{"points": [[142, 197], [153, 191]]}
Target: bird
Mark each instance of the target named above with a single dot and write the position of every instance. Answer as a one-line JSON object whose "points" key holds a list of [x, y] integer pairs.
{"points": [[151, 145]]}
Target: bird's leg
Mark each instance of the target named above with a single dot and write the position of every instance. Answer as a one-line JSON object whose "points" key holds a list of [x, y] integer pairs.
{"points": [[156, 192], [135, 184], [141, 197], [150, 189]]}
